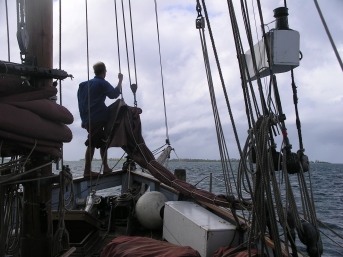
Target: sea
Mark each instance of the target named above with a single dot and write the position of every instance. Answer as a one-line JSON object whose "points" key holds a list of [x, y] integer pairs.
{"points": [[327, 184]]}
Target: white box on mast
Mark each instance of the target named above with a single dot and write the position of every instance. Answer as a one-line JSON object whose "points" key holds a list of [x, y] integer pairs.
{"points": [[284, 52]]}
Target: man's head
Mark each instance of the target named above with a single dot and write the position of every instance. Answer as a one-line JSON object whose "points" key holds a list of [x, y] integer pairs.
{"points": [[99, 68]]}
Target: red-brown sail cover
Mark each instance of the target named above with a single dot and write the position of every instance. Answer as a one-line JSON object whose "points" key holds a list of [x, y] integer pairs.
{"points": [[131, 246], [29, 121]]}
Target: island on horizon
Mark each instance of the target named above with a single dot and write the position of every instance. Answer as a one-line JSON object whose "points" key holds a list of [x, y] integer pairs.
{"points": [[194, 160]]}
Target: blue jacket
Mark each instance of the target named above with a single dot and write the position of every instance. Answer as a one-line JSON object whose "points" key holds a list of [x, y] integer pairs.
{"points": [[99, 88]]}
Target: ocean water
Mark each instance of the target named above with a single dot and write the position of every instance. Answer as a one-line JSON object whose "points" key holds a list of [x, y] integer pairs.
{"points": [[327, 184]]}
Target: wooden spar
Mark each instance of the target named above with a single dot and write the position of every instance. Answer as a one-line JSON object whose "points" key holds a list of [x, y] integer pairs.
{"points": [[164, 155], [29, 70], [36, 237]]}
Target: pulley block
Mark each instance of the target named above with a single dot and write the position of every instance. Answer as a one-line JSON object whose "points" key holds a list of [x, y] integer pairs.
{"points": [[292, 163], [200, 23]]}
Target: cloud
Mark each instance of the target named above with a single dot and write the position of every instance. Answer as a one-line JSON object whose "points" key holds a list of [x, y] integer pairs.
{"points": [[188, 106]]}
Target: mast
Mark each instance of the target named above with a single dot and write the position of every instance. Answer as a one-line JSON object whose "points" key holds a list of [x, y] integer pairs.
{"points": [[36, 237]]}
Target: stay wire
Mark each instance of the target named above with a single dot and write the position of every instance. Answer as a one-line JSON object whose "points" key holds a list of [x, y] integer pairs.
{"points": [[60, 60], [117, 32], [133, 44], [118, 44], [88, 86], [162, 81], [133, 86], [329, 34]]}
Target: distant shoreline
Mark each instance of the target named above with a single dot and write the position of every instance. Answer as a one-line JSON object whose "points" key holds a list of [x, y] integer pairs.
{"points": [[195, 160], [171, 160]]}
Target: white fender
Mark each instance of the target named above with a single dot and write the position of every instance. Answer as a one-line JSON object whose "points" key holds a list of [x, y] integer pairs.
{"points": [[148, 209]]}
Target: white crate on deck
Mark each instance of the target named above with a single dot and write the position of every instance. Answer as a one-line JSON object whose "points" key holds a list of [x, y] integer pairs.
{"points": [[189, 224]]}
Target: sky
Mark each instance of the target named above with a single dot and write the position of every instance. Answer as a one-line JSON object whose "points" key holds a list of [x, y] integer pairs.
{"points": [[190, 122]]}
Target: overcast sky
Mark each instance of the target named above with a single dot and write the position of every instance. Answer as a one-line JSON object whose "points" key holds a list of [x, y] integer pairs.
{"points": [[191, 129]]}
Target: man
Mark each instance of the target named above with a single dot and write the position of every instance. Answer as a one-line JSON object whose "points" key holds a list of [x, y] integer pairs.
{"points": [[94, 113]]}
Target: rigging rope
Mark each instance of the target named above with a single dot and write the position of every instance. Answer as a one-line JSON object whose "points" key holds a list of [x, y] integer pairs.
{"points": [[297, 121], [8, 35], [220, 138], [132, 85], [245, 14], [127, 51], [221, 78], [60, 61], [117, 32], [118, 44], [161, 72], [133, 46], [243, 69], [12, 220], [225, 159], [88, 86], [260, 182]]}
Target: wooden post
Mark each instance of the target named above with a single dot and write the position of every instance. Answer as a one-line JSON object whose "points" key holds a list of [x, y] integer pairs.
{"points": [[180, 174], [37, 226], [39, 24]]}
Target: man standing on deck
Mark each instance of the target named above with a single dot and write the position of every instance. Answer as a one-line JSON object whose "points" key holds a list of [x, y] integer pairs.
{"points": [[94, 113]]}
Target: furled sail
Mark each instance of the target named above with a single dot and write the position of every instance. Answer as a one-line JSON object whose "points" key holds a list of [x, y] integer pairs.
{"points": [[28, 120]]}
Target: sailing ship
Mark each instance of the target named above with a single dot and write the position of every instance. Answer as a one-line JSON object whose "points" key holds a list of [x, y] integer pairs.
{"points": [[156, 213]]}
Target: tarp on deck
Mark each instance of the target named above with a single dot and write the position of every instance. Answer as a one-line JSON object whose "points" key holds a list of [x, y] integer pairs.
{"points": [[124, 130], [128, 246]]}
